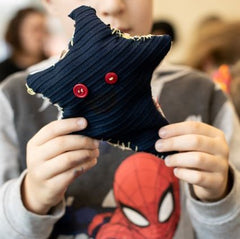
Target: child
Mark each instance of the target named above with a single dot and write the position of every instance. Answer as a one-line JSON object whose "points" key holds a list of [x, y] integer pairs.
{"points": [[32, 204]]}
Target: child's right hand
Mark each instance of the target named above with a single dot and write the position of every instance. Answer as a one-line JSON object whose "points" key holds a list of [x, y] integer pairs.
{"points": [[54, 159]]}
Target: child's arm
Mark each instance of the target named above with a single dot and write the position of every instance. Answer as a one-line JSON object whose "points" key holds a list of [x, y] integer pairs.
{"points": [[9, 151], [54, 159]]}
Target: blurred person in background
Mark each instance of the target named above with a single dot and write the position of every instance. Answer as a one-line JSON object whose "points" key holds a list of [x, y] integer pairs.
{"points": [[215, 44], [216, 51], [161, 27], [26, 34], [227, 78], [164, 27], [208, 22]]}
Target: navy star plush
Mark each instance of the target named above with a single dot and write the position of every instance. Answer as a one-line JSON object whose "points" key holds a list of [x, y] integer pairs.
{"points": [[105, 77]]}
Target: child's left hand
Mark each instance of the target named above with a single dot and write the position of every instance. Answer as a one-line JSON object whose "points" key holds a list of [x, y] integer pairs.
{"points": [[202, 159]]}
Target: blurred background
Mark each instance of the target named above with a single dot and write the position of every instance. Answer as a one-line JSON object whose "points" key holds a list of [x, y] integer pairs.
{"points": [[184, 15], [9, 8]]}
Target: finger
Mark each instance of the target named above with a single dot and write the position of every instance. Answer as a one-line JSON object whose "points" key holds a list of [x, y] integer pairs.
{"points": [[69, 160], [62, 144], [63, 180], [189, 127], [192, 142], [196, 160], [195, 177], [58, 128]]}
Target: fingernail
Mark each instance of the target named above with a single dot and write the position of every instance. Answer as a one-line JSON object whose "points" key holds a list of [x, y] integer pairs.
{"points": [[158, 145], [175, 171], [162, 132], [167, 161], [82, 123]]}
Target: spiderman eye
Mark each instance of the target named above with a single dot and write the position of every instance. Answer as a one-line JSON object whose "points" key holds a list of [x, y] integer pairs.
{"points": [[166, 206], [135, 217]]}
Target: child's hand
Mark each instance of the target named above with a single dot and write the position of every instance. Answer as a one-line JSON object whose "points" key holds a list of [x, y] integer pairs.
{"points": [[54, 159], [202, 159]]}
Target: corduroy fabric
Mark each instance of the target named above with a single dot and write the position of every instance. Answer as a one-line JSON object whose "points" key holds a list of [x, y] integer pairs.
{"points": [[122, 113]]}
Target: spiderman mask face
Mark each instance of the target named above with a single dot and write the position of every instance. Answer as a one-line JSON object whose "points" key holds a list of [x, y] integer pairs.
{"points": [[147, 194]]}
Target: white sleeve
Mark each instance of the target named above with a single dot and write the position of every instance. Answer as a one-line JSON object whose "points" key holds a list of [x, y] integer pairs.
{"points": [[221, 219], [16, 222], [228, 122], [8, 142]]}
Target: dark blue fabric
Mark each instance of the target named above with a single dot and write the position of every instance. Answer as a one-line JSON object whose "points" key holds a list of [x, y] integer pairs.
{"points": [[122, 113]]}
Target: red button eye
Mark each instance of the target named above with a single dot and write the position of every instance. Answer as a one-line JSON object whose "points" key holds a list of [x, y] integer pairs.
{"points": [[111, 78], [80, 90]]}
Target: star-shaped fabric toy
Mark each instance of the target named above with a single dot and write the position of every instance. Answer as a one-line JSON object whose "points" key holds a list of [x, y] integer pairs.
{"points": [[105, 77]]}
